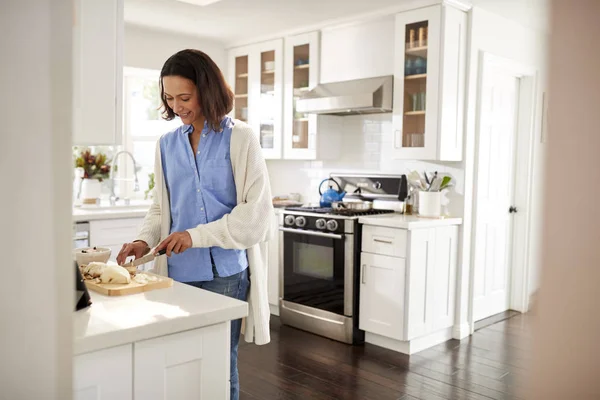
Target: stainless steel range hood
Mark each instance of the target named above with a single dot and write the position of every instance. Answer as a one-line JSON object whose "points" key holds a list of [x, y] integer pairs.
{"points": [[360, 96]]}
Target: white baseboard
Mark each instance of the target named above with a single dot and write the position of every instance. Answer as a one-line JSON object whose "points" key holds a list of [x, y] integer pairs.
{"points": [[412, 346], [274, 309], [461, 331]]}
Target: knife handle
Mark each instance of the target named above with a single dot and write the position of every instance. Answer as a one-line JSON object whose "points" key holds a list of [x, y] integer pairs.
{"points": [[161, 252]]}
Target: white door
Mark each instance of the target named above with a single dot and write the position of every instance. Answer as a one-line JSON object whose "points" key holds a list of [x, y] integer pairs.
{"points": [[494, 191]]}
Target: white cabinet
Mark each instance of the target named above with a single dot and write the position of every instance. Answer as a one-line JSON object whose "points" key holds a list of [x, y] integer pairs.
{"points": [[419, 290], [407, 285], [301, 73], [113, 233], [187, 365], [429, 83], [104, 375], [275, 255], [98, 72], [256, 77], [382, 282]]}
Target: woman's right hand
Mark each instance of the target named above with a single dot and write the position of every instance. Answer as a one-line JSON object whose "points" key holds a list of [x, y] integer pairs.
{"points": [[137, 249]]}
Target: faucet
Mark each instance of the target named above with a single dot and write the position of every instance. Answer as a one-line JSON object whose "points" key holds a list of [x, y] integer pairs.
{"points": [[113, 196]]}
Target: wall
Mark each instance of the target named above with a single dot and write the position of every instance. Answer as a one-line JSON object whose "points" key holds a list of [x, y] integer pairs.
{"points": [[525, 46], [365, 147], [566, 355], [147, 48], [36, 302]]}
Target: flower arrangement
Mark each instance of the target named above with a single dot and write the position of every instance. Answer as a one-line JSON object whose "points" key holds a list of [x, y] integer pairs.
{"points": [[94, 166]]}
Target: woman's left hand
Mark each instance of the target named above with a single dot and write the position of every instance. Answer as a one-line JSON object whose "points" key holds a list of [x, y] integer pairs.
{"points": [[176, 242]]}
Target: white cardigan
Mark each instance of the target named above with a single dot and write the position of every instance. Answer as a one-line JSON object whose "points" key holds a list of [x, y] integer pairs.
{"points": [[248, 226]]}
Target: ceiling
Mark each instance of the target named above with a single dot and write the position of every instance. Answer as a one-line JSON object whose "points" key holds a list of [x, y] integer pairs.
{"points": [[238, 21]]}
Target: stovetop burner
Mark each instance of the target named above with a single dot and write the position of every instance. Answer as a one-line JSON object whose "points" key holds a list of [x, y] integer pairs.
{"points": [[344, 212]]}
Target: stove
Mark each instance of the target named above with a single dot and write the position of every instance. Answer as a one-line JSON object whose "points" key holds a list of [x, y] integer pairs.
{"points": [[321, 261], [342, 212]]}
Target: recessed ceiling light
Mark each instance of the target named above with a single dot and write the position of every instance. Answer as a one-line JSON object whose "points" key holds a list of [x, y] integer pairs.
{"points": [[199, 2]]}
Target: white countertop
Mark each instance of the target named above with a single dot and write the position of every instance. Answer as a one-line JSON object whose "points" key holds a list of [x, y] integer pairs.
{"points": [[116, 320], [407, 221], [92, 214]]}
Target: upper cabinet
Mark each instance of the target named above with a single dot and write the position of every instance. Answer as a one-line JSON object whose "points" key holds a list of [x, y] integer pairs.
{"points": [[98, 72], [429, 83], [301, 73], [256, 77]]}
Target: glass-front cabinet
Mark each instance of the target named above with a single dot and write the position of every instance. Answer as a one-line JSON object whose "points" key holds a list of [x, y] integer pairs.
{"points": [[256, 77], [301, 73], [429, 84]]}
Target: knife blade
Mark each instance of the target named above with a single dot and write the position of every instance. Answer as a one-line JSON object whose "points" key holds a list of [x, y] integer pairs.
{"points": [[145, 259]]}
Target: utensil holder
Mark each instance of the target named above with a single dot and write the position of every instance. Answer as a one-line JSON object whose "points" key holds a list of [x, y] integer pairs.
{"points": [[430, 204]]}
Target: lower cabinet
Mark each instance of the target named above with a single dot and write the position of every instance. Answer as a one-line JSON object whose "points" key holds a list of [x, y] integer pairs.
{"points": [[404, 298], [188, 365], [104, 374], [382, 295]]}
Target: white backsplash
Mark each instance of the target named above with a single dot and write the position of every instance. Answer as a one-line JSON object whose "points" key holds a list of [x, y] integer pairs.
{"points": [[365, 148]]}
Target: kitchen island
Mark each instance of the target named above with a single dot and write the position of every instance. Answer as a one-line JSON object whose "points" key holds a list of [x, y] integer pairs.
{"points": [[163, 344]]}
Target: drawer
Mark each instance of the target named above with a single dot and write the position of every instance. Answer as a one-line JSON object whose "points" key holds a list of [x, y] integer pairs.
{"points": [[385, 241], [114, 231]]}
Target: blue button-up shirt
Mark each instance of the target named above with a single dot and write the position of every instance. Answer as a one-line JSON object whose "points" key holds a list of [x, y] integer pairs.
{"points": [[201, 190]]}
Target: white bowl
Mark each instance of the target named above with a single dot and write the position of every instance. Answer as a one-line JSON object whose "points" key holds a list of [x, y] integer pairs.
{"points": [[99, 254]]}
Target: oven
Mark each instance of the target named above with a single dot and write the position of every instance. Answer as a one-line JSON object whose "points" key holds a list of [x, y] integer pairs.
{"points": [[319, 285]]}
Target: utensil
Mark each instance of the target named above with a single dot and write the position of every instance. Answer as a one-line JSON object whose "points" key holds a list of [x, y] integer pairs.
{"points": [[352, 205], [445, 182], [431, 183], [143, 260]]}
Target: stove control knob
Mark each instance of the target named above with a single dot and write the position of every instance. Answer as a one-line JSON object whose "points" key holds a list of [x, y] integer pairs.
{"points": [[300, 222], [321, 223], [332, 225], [289, 220]]}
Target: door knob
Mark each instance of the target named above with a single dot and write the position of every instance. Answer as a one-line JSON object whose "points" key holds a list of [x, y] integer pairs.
{"points": [[512, 209]]}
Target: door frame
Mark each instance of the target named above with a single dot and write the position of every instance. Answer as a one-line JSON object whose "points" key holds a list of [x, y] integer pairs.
{"points": [[522, 179]]}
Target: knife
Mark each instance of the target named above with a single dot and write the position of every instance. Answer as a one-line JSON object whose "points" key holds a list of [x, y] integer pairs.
{"points": [[145, 259]]}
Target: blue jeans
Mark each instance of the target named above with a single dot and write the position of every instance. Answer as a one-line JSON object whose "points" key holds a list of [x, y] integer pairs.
{"points": [[235, 286]]}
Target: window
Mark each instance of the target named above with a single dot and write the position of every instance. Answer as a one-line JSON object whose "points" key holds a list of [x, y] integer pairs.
{"points": [[142, 126]]}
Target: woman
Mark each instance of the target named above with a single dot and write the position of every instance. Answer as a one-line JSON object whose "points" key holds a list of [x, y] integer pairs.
{"points": [[212, 208]]}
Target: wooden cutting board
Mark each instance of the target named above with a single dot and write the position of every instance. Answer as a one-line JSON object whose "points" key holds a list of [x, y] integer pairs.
{"points": [[120, 289]]}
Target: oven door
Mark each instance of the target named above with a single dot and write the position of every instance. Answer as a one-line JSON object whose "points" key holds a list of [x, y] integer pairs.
{"points": [[318, 270]]}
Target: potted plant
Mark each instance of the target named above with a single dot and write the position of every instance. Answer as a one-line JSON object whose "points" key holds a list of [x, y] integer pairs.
{"points": [[95, 169], [148, 192]]}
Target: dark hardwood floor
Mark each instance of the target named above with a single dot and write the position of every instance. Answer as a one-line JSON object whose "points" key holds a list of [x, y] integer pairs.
{"points": [[491, 364]]}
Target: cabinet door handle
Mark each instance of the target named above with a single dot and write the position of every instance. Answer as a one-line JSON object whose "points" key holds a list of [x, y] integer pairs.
{"points": [[363, 278], [382, 241]]}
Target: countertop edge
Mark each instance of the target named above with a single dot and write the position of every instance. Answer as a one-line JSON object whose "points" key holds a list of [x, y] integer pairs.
{"points": [[97, 215], [158, 329], [409, 225]]}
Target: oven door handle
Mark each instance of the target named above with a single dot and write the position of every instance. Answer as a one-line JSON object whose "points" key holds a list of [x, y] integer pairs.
{"points": [[312, 233]]}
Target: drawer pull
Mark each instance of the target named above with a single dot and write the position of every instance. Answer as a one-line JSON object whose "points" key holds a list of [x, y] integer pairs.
{"points": [[382, 241], [362, 274]]}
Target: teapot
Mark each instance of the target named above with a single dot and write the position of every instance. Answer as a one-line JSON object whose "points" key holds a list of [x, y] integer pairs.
{"points": [[330, 195]]}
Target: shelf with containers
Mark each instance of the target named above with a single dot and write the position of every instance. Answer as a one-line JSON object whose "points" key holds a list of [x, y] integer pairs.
{"points": [[256, 77], [301, 73], [429, 77]]}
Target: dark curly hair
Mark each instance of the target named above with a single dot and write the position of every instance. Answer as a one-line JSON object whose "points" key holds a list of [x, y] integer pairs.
{"points": [[215, 95]]}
